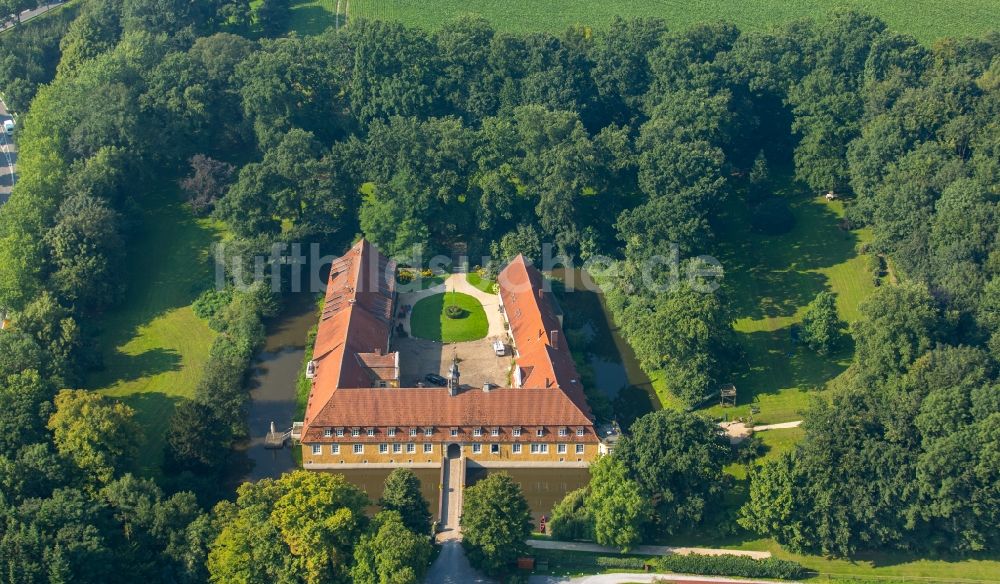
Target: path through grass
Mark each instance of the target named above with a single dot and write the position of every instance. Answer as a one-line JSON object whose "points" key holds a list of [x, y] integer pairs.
{"points": [[154, 347], [925, 19], [428, 320]]}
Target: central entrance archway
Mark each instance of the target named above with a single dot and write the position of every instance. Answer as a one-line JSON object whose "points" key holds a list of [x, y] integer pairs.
{"points": [[454, 451]]}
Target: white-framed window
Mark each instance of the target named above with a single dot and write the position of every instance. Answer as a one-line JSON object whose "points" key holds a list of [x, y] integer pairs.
{"points": [[494, 449], [397, 448], [355, 432], [413, 431], [580, 431], [335, 449], [516, 431], [391, 431], [563, 431], [516, 448], [454, 431], [428, 447], [495, 431], [429, 431], [317, 449], [579, 448], [383, 448], [539, 448], [477, 448], [540, 432], [411, 448], [340, 432], [359, 448], [327, 432], [371, 431], [477, 431], [561, 449]]}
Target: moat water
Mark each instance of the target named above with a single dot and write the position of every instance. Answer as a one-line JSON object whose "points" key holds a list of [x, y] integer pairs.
{"points": [[614, 369]]}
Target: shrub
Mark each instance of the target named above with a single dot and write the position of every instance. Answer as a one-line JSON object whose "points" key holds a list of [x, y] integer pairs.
{"points": [[620, 562], [210, 302], [453, 312], [731, 566]]}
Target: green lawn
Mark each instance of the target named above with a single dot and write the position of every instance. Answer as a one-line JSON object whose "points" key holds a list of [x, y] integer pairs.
{"points": [[429, 321], [925, 19], [484, 284], [154, 347], [770, 280]]}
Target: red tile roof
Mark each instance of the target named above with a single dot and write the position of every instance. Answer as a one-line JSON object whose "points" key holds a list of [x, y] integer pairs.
{"points": [[542, 352], [356, 318], [355, 327]]}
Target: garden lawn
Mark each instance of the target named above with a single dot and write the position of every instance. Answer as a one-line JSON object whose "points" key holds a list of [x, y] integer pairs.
{"points": [[428, 319], [925, 19], [153, 346], [484, 284]]}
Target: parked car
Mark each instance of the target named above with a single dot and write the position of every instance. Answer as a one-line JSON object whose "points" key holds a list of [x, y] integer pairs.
{"points": [[499, 348], [8, 126], [435, 379]]}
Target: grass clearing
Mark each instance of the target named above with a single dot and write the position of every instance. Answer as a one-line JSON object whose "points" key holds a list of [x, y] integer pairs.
{"points": [[770, 280], [154, 347], [429, 321], [925, 19]]}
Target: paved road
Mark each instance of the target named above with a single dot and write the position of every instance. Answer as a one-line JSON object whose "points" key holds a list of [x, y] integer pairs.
{"points": [[8, 158], [452, 567], [29, 14], [642, 578], [642, 550]]}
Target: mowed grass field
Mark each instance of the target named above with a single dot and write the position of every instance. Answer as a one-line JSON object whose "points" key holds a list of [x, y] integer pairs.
{"points": [[770, 280], [154, 347], [925, 19]]}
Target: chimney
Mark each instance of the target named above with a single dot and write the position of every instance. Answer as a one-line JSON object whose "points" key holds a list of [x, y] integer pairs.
{"points": [[554, 339], [539, 293], [378, 351]]}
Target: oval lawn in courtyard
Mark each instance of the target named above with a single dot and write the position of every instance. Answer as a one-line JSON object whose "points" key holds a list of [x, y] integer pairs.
{"points": [[429, 319]]}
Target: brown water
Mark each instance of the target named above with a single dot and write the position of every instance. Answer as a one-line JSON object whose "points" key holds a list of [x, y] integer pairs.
{"points": [[272, 386], [543, 488], [372, 481], [591, 330]]}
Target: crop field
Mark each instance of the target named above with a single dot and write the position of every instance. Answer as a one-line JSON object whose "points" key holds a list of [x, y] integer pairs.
{"points": [[925, 19]]}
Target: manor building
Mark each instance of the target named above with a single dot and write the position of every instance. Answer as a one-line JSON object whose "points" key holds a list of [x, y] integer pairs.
{"points": [[360, 413]]}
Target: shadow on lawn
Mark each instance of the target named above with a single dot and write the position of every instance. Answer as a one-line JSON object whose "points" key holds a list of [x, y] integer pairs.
{"points": [[167, 266]]}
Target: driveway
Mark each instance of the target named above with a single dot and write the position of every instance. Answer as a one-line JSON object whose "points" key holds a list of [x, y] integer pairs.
{"points": [[457, 283], [642, 578], [8, 157], [29, 14], [452, 567]]}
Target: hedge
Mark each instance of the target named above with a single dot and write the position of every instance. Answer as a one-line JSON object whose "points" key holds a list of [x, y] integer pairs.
{"points": [[732, 566], [620, 562]]}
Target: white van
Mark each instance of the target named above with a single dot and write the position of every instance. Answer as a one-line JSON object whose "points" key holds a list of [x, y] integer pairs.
{"points": [[8, 126]]}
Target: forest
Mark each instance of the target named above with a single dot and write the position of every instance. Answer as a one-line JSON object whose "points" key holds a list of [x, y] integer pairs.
{"points": [[623, 143]]}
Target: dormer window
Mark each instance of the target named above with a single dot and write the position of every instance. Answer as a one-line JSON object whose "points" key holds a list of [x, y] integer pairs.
{"points": [[477, 431], [391, 431], [516, 432], [495, 431], [429, 431], [340, 432], [563, 431], [454, 431], [371, 431], [413, 431], [327, 432], [540, 432], [580, 431], [355, 432]]}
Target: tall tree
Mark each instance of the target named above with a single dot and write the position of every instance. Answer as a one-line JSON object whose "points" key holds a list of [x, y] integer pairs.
{"points": [[495, 522]]}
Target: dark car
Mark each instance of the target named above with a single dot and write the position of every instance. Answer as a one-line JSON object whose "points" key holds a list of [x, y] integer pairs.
{"points": [[436, 379]]}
